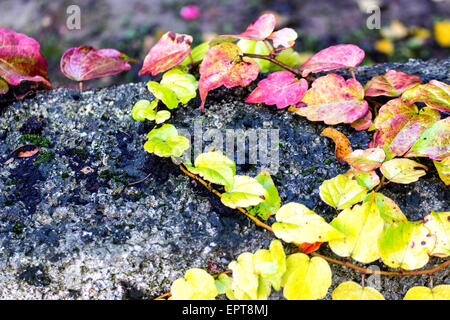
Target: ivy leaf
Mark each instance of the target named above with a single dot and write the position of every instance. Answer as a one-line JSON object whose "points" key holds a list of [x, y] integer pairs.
{"points": [[341, 192], [271, 264], [272, 201], [350, 290], [197, 284], [183, 84], [256, 31], [20, 60], [443, 169], [86, 63], [306, 279], [165, 142], [435, 94], [400, 126], [402, 170], [223, 284], [256, 47], [247, 283], [366, 160], [225, 65], [406, 245], [334, 57], [334, 100], [368, 179], [434, 142], [387, 208], [215, 167], [246, 192], [144, 110], [163, 93], [284, 38], [362, 226], [162, 116], [167, 53], [392, 84], [3, 86], [363, 123], [439, 224], [297, 224], [197, 54], [441, 292], [281, 88], [343, 146]]}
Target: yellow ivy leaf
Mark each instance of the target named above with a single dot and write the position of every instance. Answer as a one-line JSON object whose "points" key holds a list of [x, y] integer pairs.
{"points": [[352, 291], [271, 264], [402, 170], [306, 279], [443, 169], [395, 31], [439, 224], [385, 46], [406, 245], [247, 283], [441, 292], [362, 226], [341, 192], [197, 284], [442, 33], [246, 192], [388, 209], [297, 224]]}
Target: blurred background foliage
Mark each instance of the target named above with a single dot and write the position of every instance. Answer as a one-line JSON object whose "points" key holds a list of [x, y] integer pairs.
{"points": [[409, 28]]}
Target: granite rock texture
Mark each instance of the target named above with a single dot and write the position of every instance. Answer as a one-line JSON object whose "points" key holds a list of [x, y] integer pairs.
{"points": [[71, 229]]}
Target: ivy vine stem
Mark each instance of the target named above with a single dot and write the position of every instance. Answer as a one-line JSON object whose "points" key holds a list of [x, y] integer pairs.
{"points": [[274, 61]]}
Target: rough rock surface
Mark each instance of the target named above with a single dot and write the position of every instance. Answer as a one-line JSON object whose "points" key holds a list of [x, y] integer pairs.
{"points": [[70, 229]]}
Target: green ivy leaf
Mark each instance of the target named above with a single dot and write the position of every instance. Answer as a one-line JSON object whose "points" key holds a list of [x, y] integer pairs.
{"points": [[197, 284], [246, 192], [165, 142], [223, 284], [144, 110], [162, 116], [197, 54], [163, 93], [183, 84], [271, 264], [341, 192], [368, 179], [215, 167], [388, 209], [272, 201], [297, 224], [306, 279]]}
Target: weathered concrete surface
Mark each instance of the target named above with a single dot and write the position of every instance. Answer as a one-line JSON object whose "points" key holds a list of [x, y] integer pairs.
{"points": [[66, 234]]}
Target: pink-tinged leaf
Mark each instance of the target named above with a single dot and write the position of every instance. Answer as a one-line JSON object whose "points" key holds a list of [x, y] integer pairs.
{"points": [[86, 63], [281, 88], [20, 59], [225, 65], [257, 31], [435, 94], [366, 160], [434, 142], [334, 57], [284, 38], [334, 100], [167, 53], [364, 123], [342, 144], [400, 125], [190, 12], [392, 84], [3, 86]]}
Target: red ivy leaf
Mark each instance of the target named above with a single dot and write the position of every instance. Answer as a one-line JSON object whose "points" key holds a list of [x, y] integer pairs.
{"points": [[281, 88], [20, 59], [283, 38], [333, 100], [3, 86], [364, 123], [392, 84], [399, 126], [306, 247], [435, 94], [334, 57], [86, 63], [225, 65], [167, 53]]}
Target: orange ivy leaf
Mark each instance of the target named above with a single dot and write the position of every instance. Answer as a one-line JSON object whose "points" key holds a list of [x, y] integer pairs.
{"points": [[392, 84], [27, 153], [225, 65], [343, 146], [306, 247], [167, 53]]}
